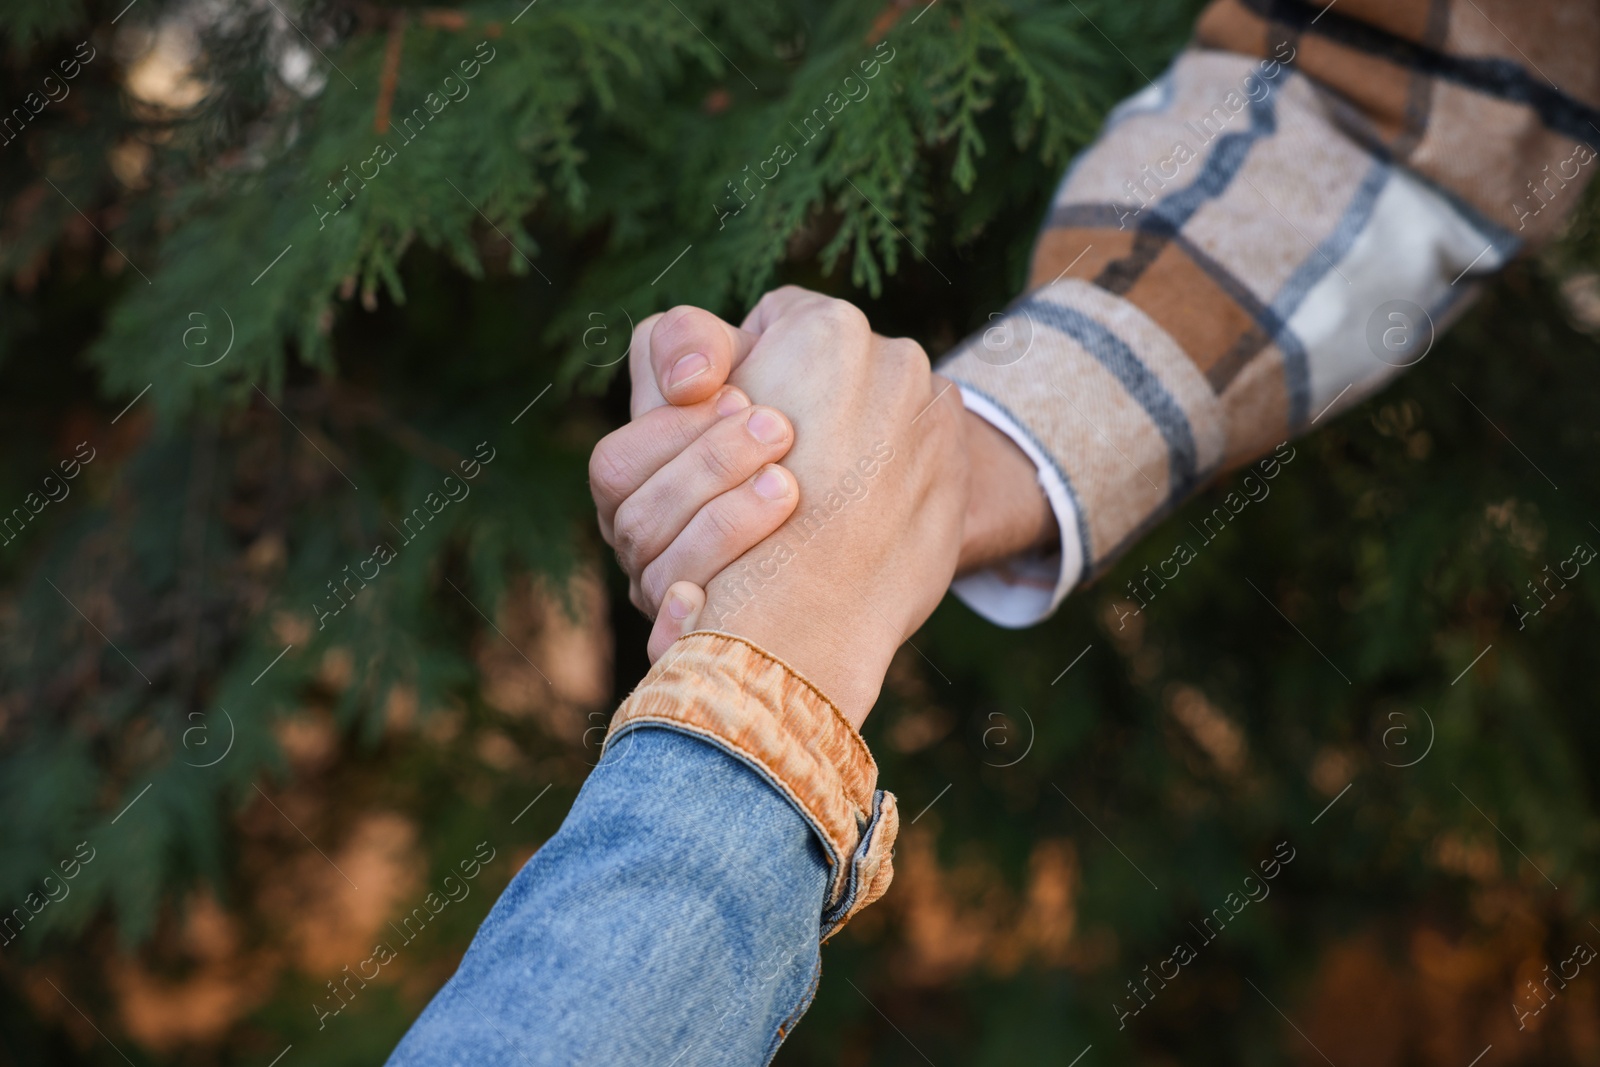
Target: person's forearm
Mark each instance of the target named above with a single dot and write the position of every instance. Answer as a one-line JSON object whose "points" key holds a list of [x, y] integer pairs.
{"points": [[678, 911], [674, 914], [1260, 240], [1007, 511]]}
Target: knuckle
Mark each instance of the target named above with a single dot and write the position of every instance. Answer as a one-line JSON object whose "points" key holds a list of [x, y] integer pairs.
{"points": [[652, 589], [719, 459], [784, 294], [674, 317], [608, 478], [630, 537], [682, 324], [844, 317], [906, 355], [724, 525]]}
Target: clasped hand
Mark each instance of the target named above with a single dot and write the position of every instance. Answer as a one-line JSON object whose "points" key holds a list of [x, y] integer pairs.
{"points": [[831, 558]]}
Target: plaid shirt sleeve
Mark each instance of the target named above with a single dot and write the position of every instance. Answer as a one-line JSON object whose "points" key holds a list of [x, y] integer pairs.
{"points": [[1264, 236]]}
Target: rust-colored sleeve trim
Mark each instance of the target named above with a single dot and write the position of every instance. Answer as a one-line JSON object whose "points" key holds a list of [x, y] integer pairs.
{"points": [[748, 702]]}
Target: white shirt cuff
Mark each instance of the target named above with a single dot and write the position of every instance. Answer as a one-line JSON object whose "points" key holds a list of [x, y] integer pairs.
{"points": [[1025, 589]]}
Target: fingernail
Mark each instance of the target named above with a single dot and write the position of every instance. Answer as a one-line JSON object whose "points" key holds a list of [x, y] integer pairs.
{"points": [[687, 370], [766, 427], [678, 607], [772, 485], [731, 401]]}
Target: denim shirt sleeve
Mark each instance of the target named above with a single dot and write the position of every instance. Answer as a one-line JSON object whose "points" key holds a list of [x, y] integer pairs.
{"points": [[677, 915]]}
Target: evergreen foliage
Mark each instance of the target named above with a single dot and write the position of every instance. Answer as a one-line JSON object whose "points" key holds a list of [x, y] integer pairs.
{"points": [[503, 248]]}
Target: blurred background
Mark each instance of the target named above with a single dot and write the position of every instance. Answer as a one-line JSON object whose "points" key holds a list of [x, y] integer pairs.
{"points": [[270, 269]]}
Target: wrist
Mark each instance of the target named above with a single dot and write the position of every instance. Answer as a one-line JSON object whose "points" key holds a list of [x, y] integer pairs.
{"points": [[837, 663], [1007, 510], [829, 619]]}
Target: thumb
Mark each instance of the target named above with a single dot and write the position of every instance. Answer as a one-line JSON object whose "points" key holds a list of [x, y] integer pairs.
{"points": [[691, 353], [680, 611]]}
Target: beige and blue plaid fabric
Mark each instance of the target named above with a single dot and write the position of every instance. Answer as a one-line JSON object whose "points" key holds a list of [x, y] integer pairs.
{"points": [[1219, 268]]}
